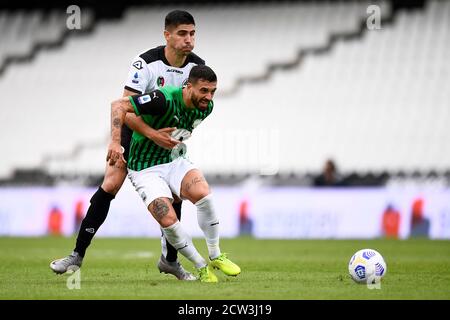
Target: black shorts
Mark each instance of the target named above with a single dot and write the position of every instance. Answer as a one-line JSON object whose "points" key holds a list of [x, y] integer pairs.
{"points": [[126, 140]]}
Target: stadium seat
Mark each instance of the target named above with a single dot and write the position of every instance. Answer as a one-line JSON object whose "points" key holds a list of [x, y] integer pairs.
{"points": [[374, 102]]}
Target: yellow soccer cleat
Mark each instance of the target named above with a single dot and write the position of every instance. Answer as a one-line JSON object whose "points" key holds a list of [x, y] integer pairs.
{"points": [[225, 265], [205, 274]]}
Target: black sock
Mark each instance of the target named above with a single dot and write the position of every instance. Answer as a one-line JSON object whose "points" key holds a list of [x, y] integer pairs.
{"points": [[95, 216], [171, 251]]}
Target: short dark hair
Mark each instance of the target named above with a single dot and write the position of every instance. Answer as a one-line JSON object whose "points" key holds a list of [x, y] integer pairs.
{"points": [[202, 72], [176, 17]]}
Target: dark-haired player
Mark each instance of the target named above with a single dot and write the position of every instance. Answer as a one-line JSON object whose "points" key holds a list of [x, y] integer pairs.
{"points": [[158, 173], [158, 67]]}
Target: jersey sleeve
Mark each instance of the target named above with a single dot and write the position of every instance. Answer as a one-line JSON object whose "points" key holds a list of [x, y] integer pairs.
{"points": [[152, 103], [208, 110], [138, 76]]}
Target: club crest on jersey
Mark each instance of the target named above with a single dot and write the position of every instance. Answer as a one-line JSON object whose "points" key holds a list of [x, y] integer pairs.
{"points": [[144, 99], [137, 65], [160, 82]]}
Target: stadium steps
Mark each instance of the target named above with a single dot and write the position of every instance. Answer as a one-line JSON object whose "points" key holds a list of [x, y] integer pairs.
{"points": [[25, 34], [321, 43], [54, 161]]}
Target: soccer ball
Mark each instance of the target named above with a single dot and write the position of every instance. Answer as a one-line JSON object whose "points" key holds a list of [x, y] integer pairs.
{"points": [[367, 266]]}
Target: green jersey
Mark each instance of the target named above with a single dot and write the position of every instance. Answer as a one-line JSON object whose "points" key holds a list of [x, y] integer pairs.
{"points": [[161, 108]]}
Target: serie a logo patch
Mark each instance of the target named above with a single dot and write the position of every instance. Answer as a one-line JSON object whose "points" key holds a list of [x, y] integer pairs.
{"points": [[144, 99]]}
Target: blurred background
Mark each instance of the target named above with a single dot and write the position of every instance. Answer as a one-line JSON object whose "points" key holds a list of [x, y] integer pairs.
{"points": [[331, 119]]}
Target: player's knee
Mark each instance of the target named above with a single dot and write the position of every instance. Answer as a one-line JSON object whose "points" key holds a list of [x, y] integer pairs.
{"points": [[200, 193], [113, 180], [111, 185], [168, 221], [163, 213]]}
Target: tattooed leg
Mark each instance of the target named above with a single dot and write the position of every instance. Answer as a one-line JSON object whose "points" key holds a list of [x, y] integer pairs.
{"points": [[163, 212], [194, 186]]}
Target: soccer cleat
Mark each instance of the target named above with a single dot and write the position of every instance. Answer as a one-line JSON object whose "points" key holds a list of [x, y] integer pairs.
{"points": [[225, 265], [174, 268], [205, 274], [70, 263]]}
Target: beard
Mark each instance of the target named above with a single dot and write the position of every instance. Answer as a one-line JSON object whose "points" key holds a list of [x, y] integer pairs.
{"points": [[196, 101], [186, 50]]}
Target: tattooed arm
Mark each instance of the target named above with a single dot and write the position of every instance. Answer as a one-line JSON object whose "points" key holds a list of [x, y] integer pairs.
{"points": [[153, 103], [119, 109]]}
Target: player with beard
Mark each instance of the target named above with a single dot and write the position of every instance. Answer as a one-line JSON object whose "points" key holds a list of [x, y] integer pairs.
{"points": [[155, 68], [158, 173]]}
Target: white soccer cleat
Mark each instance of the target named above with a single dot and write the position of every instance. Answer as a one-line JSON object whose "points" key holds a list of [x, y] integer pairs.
{"points": [[70, 263], [174, 268]]}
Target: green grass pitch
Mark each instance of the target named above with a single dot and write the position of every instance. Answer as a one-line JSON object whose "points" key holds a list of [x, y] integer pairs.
{"points": [[271, 269]]}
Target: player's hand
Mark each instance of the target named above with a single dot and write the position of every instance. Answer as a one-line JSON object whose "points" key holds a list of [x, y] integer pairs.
{"points": [[163, 138], [115, 154]]}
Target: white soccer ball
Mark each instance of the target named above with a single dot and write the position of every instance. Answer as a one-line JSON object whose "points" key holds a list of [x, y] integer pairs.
{"points": [[367, 266]]}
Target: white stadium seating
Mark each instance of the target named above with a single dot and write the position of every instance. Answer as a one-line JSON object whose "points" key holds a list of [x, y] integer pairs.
{"points": [[380, 101]]}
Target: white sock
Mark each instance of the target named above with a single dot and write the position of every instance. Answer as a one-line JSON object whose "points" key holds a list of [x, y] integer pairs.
{"points": [[209, 223], [181, 241], [163, 243]]}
